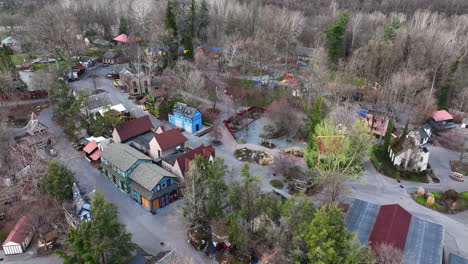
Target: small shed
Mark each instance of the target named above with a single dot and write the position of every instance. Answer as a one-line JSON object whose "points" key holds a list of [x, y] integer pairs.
{"points": [[20, 237]]}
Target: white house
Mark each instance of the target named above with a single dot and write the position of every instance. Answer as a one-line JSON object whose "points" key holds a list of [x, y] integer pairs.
{"points": [[464, 123], [408, 154], [19, 238], [425, 133]]}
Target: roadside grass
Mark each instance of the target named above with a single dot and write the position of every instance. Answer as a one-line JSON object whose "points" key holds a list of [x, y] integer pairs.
{"points": [[20, 58], [53, 66], [277, 184]]}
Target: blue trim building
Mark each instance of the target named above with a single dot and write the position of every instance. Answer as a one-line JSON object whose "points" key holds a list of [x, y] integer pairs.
{"points": [[186, 117]]}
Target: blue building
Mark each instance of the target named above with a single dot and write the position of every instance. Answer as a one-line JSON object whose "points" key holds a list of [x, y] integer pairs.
{"points": [[186, 117]]}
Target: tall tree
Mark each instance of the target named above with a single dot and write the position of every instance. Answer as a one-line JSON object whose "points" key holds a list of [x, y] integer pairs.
{"points": [[335, 36], [103, 240], [123, 25], [316, 114], [203, 18], [58, 181], [337, 154], [388, 135], [217, 188], [329, 240], [170, 19], [188, 45]]}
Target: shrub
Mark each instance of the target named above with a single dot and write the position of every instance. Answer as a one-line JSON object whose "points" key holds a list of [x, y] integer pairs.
{"points": [[436, 195], [450, 194], [241, 141], [434, 206], [420, 200], [3, 234], [277, 184]]}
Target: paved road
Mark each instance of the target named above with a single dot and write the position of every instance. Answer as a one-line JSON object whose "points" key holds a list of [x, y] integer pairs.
{"points": [[148, 230]]}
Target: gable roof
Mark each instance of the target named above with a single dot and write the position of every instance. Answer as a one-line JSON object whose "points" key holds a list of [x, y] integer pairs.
{"points": [[360, 218], [391, 226], [122, 155], [134, 127], [184, 110], [441, 115], [455, 259], [170, 138], [90, 147], [185, 159], [148, 175], [424, 243], [21, 230]]}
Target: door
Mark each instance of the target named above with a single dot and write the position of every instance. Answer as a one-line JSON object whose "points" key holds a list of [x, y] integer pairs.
{"points": [[145, 202], [197, 127], [178, 123], [156, 203], [114, 179]]}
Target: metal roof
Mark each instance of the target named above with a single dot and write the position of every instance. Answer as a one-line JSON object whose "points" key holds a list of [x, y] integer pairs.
{"points": [[184, 110], [148, 175], [361, 218], [391, 226], [424, 244], [454, 259], [122, 155]]}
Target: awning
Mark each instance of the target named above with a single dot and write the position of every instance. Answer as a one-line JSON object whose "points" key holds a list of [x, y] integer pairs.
{"points": [[96, 155], [125, 38], [90, 147]]}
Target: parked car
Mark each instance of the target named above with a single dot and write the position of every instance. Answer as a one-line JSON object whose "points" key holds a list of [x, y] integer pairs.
{"points": [[112, 76]]}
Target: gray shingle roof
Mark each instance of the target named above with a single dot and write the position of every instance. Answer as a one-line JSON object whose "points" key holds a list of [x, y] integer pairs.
{"points": [[185, 110], [110, 55], [454, 259], [122, 155], [148, 175]]}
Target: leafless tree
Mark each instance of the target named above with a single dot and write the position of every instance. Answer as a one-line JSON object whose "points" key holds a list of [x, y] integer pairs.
{"points": [[188, 79], [388, 254], [455, 140], [282, 119], [283, 163]]}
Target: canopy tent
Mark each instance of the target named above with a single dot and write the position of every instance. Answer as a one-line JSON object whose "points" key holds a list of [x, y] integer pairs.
{"points": [[126, 39]]}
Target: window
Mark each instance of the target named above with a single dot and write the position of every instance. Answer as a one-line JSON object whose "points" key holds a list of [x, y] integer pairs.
{"points": [[168, 182], [135, 90], [145, 83], [146, 90], [163, 185], [134, 84], [158, 187]]}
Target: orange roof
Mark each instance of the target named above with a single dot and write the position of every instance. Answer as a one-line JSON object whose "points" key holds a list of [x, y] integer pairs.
{"points": [[441, 115], [90, 147], [96, 154], [170, 138]]}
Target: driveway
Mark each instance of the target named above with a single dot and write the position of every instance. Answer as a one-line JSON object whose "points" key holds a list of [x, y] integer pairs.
{"points": [[148, 230]]}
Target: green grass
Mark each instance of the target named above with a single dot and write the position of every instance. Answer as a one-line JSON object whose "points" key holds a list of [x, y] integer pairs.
{"points": [[18, 59], [246, 83], [436, 195], [464, 194], [266, 99], [53, 66], [277, 184], [94, 53]]}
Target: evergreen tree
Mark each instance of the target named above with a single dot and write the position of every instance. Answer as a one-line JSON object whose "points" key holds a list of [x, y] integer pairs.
{"points": [[192, 18], [447, 88], [329, 240], [203, 18], [6, 64], [188, 45], [103, 240], [58, 181], [123, 25], [316, 115], [335, 36], [390, 29], [170, 19], [405, 129], [217, 188], [388, 135]]}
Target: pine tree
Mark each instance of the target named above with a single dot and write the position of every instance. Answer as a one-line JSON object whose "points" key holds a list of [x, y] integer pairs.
{"points": [[203, 18], [58, 181], [192, 18], [405, 129], [329, 240], [188, 45], [170, 19], [335, 36], [388, 135], [123, 25], [103, 240]]}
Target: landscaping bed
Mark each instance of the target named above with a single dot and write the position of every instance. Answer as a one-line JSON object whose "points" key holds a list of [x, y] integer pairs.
{"points": [[277, 184], [460, 168], [260, 157], [383, 164], [449, 201], [298, 152], [268, 144]]}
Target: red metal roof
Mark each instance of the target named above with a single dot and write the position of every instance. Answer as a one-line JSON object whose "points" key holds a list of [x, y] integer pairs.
{"points": [[125, 38], [134, 128], [21, 230], [441, 115], [185, 159], [391, 226], [170, 138], [96, 154], [92, 145]]}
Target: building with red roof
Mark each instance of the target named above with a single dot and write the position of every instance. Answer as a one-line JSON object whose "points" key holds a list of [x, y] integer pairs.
{"points": [[92, 151], [441, 120], [20, 237], [179, 162], [391, 226], [166, 143], [421, 241], [132, 128]]}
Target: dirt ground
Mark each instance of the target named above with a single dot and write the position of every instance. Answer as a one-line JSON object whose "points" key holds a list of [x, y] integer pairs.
{"points": [[19, 115]]}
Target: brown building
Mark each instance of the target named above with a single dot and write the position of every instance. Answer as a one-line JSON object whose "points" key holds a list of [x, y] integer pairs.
{"points": [[137, 84]]}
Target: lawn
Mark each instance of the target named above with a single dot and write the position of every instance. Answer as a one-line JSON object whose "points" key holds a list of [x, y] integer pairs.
{"points": [[449, 201], [460, 168], [267, 97], [53, 66], [19, 59]]}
